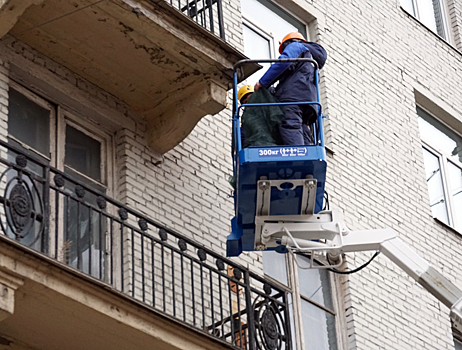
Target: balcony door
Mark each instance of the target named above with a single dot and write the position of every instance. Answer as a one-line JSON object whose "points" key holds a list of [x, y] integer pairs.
{"points": [[53, 136]]}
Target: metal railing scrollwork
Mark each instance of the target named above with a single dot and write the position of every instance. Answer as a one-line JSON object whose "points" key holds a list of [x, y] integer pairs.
{"points": [[68, 220]]}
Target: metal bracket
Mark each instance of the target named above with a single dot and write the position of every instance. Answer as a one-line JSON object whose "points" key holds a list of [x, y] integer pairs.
{"points": [[289, 230], [263, 207], [264, 194]]}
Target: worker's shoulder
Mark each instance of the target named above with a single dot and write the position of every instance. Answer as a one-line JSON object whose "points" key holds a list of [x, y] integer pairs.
{"points": [[294, 49]]}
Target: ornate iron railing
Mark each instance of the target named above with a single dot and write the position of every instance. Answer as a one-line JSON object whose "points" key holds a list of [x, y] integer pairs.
{"points": [[68, 220], [206, 13]]}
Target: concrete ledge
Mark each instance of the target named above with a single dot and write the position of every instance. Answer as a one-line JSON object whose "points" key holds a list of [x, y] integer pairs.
{"points": [[58, 307]]}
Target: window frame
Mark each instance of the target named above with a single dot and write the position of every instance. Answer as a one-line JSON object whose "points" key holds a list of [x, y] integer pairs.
{"points": [[443, 163], [263, 29], [51, 158], [293, 288], [264, 33], [444, 18], [66, 117], [60, 116]]}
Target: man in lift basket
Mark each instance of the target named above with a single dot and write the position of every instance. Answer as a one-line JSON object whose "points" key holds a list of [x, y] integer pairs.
{"points": [[296, 84]]}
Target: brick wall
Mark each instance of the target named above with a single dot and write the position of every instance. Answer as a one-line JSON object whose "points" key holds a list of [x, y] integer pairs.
{"points": [[377, 56]]}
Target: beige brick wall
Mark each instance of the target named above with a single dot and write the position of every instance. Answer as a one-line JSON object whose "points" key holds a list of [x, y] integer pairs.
{"points": [[378, 55]]}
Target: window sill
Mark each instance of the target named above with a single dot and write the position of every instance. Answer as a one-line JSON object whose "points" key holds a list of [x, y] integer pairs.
{"points": [[431, 31], [446, 226]]}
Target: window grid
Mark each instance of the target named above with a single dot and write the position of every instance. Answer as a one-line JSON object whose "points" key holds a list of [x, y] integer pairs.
{"points": [[447, 166]]}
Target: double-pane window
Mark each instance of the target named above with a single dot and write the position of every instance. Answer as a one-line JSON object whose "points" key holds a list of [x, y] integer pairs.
{"points": [[310, 300], [442, 154], [53, 136], [317, 309], [431, 13]]}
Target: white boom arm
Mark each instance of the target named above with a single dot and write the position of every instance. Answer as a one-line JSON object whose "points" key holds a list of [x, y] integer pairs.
{"points": [[331, 237]]}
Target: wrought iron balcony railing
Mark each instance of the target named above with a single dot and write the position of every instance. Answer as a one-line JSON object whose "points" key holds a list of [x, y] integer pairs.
{"points": [[206, 13], [68, 220]]}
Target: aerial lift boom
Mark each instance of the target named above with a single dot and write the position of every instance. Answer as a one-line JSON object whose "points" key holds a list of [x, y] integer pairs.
{"points": [[278, 199], [324, 233]]}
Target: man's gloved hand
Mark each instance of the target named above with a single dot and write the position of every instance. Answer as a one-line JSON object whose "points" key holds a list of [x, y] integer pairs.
{"points": [[257, 86]]}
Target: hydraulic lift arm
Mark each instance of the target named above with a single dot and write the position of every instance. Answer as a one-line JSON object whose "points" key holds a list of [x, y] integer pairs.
{"points": [[414, 265], [324, 233]]}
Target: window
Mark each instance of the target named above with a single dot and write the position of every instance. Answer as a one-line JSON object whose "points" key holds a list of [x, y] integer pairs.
{"points": [[431, 13], [265, 24], [442, 154], [56, 137], [312, 307]]}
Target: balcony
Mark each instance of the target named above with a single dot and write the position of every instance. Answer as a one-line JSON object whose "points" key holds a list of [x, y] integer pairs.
{"points": [[167, 60], [83, 271]]}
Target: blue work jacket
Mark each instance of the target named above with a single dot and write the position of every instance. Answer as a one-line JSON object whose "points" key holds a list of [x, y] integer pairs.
{"points": [[297, 79]]}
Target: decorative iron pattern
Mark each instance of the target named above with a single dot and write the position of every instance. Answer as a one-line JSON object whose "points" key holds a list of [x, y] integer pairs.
{"points": [[23, 210], [206, 13], [270, 325], [67, 220]]}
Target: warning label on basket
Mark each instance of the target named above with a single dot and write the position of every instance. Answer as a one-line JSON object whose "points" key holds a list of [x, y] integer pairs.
{"points": [[283, 152]]}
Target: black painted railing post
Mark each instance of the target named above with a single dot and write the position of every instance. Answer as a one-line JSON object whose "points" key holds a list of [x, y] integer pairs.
{"points": [[221, 25], [287, 331], [250, 312], [46, 212]]}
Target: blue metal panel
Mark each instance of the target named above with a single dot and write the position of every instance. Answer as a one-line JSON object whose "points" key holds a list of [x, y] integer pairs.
{"points": [[276, 163]]}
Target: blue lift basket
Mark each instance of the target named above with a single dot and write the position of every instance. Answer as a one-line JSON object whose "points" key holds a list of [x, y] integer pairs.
{"points": [[275, 183]]}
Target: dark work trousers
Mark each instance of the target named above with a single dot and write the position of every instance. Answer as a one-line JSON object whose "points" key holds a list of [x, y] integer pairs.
{"points": [[293, 129]]}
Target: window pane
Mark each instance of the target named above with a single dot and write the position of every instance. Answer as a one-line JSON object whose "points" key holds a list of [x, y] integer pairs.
{"points": [[273, 24], [83, 153], [408, 6], [455, 190], [256, 47], [315, 284], [435, 186], [440, 137], [457, 345], [427, 14], [272, 18], [274, 265], [29, 122], [318, 328]]}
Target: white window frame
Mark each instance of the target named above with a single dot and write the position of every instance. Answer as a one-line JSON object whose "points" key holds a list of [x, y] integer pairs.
{"points": [[443, 161], [294, 289], [262, 28], [257, 28], [444, 18]]}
